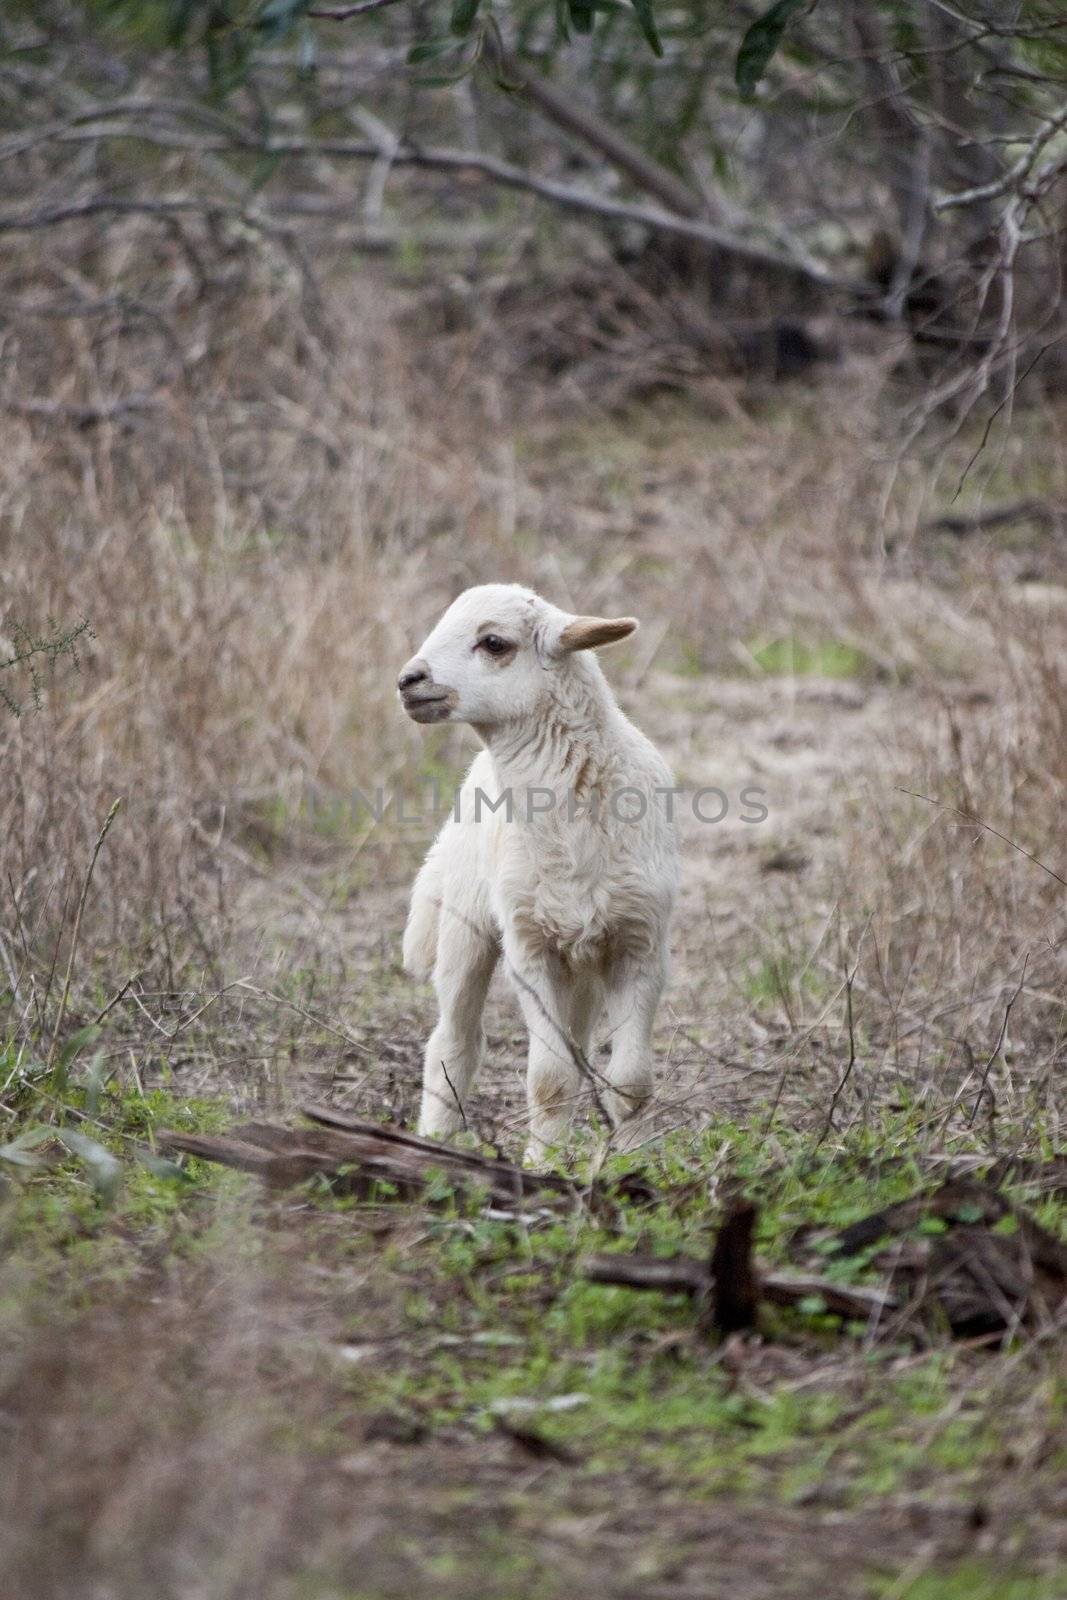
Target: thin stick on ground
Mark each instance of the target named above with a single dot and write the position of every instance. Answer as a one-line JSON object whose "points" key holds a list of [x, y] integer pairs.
{"points": [[850, 1064], [993, 1054], [65, 996]]}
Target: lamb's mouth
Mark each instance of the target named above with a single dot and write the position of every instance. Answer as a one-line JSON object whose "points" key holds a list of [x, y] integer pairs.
{"points": [[428, 707]]}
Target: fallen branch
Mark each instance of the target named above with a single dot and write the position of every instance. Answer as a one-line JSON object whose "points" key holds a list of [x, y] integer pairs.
{"points": [[686, 1275], [355, 1157], [964, 522], [734, 1298], [980, 1279]]}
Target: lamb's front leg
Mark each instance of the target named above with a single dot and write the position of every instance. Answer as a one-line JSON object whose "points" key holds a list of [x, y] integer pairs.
{"points": [[559, 1009], [633, 994], [466, 957]]}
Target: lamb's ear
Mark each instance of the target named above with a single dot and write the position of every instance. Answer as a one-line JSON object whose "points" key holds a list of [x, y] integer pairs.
{"points": [[588, 633]]}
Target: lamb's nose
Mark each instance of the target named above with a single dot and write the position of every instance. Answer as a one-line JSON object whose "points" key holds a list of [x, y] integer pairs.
{"points": [[415, 672]]}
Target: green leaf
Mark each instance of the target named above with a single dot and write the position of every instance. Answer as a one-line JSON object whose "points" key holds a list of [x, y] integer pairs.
{"points": [[647, 23], [307, 51], [160, 1167], [179, 19], [440, 80], [277, 17], [969, 1212], [430, 50], [812, 1305], [582, 15], [463, 15], [69, 1053], [104, 1169], [20, 1152], [759, 44], [933, 1225]]}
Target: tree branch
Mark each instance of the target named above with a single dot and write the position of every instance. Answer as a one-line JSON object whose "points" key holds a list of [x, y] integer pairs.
{"points": [[343, 13], [564, 111], [1015, 174], [442, 159]]}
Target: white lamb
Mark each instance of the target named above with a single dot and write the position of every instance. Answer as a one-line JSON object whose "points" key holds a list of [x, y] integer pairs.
{"points": [[573, 876]]}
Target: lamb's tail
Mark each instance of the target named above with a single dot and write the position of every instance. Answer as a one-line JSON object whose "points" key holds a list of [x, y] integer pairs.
{"points": [[424, 920]]}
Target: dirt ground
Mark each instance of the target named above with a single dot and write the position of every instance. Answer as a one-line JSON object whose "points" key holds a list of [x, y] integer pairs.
{"points": [[809, 750]]}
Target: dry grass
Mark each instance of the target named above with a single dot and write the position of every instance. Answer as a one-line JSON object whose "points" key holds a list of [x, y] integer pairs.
{"points": [[259, 547]]}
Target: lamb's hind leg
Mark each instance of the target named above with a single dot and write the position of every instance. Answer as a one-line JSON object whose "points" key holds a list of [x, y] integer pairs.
{"points": [[466, 957]]}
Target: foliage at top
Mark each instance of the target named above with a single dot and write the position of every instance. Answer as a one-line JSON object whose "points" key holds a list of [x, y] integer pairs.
{"points": [[229, 31]]}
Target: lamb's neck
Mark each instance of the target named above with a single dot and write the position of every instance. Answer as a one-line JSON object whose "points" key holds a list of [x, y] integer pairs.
{"points": [[565, 746]]}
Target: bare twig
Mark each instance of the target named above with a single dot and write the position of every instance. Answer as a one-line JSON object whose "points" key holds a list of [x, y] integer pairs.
{"points": [[1001, 1036], [839, 1090], [115, 998], [301, 1011], [101, 836], [455, 1094], [978, 823], [345, 13], [964, 522], [1015, 176], [80, 416], [686, 1275]]}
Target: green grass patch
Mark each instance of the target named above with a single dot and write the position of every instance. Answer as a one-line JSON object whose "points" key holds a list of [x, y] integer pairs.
{"points": [[971, 1580], [613, 1375], [800, 658], [491, 1318]]}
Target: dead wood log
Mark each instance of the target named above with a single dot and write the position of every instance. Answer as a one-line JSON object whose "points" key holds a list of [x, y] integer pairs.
{"points": [[982, 1280], [855, 1301], [964, 1199], [356, 1156], [686, 1275]]}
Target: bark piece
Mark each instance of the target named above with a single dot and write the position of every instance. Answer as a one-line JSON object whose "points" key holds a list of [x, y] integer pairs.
{"points": [[734, 1282]]}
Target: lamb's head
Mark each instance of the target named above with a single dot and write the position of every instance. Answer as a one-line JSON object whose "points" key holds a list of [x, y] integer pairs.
{"points": [[492, 657]]}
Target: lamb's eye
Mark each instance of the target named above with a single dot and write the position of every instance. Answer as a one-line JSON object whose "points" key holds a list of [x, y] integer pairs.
{"points": [[494, 644]]}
